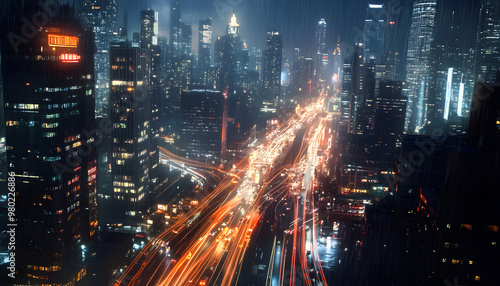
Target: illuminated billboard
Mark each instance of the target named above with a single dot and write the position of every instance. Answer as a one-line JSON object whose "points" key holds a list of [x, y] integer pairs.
{"points": [[70, 58], [63, 41]]}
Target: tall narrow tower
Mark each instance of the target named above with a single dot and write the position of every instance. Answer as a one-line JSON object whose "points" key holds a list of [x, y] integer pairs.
{"points": [[418, 70], [204, 49], [321, 57], [175, 27], [488, 42], [272, 67]]}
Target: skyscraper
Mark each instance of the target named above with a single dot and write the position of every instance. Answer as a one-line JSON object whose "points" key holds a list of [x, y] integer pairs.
{"points": [[484, 121], [149, 44], [488, 41], [227, 49], [374, 31], [302, 75], [101, 16], [336, 68], [418, 71], [346, 96], [320, 36], [255, 61], [179, 71], [131, 136], [357, 90], [185, 40], [149, 29], [272, 67], [320, 62], [204, 49], [49, 114], [204, 125], [390, 109], [175, 28]]}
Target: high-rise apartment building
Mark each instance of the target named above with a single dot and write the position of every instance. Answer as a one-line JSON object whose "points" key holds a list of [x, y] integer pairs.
{"points": [[131, 136]]}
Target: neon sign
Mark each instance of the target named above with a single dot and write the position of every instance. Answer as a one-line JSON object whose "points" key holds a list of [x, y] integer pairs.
{"points": [[63, 41], [70, 58]]}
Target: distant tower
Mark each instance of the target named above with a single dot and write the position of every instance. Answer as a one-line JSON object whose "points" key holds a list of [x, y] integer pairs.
{"points": [[374, 32], [175, 28], [227, 49], [272, 67], [204, 49], [320, 37], [321, 57], [149, 29], [390, 108], [488, 41], [418, 66], [102, 18], [233, 28], [185, 40], [336, 67]]}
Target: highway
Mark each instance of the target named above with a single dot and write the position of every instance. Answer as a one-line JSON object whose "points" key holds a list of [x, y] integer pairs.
{"points": [[207, 245]]}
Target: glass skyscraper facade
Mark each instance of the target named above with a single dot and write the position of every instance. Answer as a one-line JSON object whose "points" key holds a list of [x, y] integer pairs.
{"points": [[101, 16], [272, 68], [418, 66]]}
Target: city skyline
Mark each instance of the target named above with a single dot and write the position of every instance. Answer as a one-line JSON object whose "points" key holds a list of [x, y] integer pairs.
{"points": [[233, 142], [285, 20]]}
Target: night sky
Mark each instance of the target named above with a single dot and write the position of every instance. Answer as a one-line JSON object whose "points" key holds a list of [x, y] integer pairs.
{"points": [[295, 19]]}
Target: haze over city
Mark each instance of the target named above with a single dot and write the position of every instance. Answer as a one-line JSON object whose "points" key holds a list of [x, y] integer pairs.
{"points": [[236, 142]]}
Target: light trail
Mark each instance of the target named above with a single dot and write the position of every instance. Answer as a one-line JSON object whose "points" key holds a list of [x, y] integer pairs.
{"points": [[223, 222]]}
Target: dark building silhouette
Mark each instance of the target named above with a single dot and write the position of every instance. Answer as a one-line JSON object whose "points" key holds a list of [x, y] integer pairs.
{"points": [[390, 108], [227, 50], [49, 118], [448, 188], [204, 125], [488, 41], [302, 74], [186, 38], [374, 31], [175, 28], [272, 68]]}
